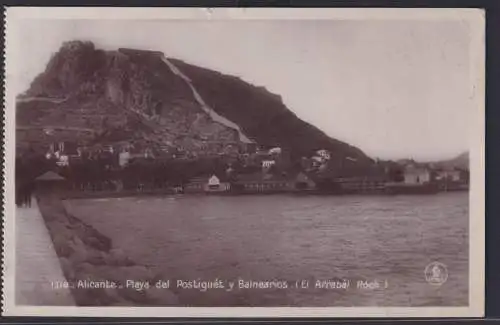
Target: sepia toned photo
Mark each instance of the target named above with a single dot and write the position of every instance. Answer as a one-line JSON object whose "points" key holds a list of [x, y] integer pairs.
{"points": [[256, 162]]}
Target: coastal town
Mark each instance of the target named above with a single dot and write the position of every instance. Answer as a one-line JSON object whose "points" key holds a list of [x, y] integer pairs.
{"points": [[237, 169]]}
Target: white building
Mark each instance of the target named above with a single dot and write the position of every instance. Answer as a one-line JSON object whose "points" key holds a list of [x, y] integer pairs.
{"points": [[123, 158], [325, 154], [63, 160], [268, 163], [414, 175], [450, 175], [213, 183], [275, 151], [202, 184]]}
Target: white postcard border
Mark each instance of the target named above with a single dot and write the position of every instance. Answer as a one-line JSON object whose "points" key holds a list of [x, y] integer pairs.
{"points": [[474, 17]]}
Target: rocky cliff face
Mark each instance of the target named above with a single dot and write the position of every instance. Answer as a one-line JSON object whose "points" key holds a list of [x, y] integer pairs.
{"points": [[91, 95]]}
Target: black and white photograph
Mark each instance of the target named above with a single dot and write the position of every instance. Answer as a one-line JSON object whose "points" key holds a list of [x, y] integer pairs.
{"points": [[327, 161]]}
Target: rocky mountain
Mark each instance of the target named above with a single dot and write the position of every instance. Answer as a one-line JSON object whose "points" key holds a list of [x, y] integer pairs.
{"points": [[92, 96], [461, 161]]}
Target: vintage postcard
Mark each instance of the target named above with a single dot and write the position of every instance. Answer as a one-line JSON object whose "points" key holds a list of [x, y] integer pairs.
{"points": [[244, 162]]}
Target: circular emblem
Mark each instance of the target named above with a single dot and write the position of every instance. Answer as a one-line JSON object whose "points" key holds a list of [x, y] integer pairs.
{"points": [[436, 273]]}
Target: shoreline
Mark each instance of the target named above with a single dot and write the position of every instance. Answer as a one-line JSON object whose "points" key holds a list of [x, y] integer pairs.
{"points": [[87, 255], [75, 195]]}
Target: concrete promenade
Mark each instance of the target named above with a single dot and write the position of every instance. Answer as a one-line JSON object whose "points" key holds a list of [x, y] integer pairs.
{"points": [[37, 265]]}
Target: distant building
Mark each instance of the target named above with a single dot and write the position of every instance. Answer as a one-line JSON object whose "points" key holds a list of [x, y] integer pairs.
{"points": [[63, 160], [215, 184], [51, 183], [62, 152], [354, 179], [196, 185], [108, 149], [208, 184], [317, 161], [323, 153], [304, 182], [449, 175], [452, 179], [263, 183], [266, 164], [148, 153], [262, 151], [250, 147], [165, 149], [361, 184], [416, 175], [123, 158], [63, 147], [56, 147], [275, 151]]}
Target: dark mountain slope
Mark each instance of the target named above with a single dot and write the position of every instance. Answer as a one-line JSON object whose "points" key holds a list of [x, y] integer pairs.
{"points": [[261, 114]]}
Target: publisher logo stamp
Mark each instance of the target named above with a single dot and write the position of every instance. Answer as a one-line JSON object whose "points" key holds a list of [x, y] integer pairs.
{"points": [[436, 273]]}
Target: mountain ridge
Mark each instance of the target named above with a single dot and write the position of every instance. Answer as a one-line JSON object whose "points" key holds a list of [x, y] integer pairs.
{"points": [[136, 95], [459, 161]]}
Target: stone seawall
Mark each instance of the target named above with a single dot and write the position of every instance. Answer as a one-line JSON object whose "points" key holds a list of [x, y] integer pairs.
{"points": [[96, 272]]}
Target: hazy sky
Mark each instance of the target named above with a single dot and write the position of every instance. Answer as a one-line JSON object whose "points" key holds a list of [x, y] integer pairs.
{"points": [[395, 89]]}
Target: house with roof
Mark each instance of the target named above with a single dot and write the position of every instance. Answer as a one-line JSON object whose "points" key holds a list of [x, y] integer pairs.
{"points": [[303, 181], [416, 175], [323, 153], [267, 164], [50, 182], [450, 179], [448, 174], [124, 158], [317, 161], [208, 184], [275, 151], [62, 160], [62, 152]]}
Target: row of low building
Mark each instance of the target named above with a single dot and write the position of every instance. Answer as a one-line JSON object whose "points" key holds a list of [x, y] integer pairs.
{"points": [[249, 183], [416, 181], [261, 182]]}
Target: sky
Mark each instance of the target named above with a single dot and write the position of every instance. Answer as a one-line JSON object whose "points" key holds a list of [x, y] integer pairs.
{"points": [[395, 89]]}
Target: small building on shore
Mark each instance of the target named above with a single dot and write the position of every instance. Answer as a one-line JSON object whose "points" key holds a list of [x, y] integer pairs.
{"points": [[417, 179], [50, 183], [263, 183], [353, 179], [452, 179], [415, 175], [453, 175], [123, 158], [208, 184], [304, 182], [361, 184]]}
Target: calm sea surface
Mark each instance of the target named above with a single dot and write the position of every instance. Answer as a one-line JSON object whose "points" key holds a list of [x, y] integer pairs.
{"points": [[390, 239]]}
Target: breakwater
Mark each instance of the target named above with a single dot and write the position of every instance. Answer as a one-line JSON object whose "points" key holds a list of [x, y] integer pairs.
{"points": [[97, 273]]}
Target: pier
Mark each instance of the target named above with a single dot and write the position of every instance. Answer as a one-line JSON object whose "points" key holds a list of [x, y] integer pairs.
{"points": [[37, 265]]}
